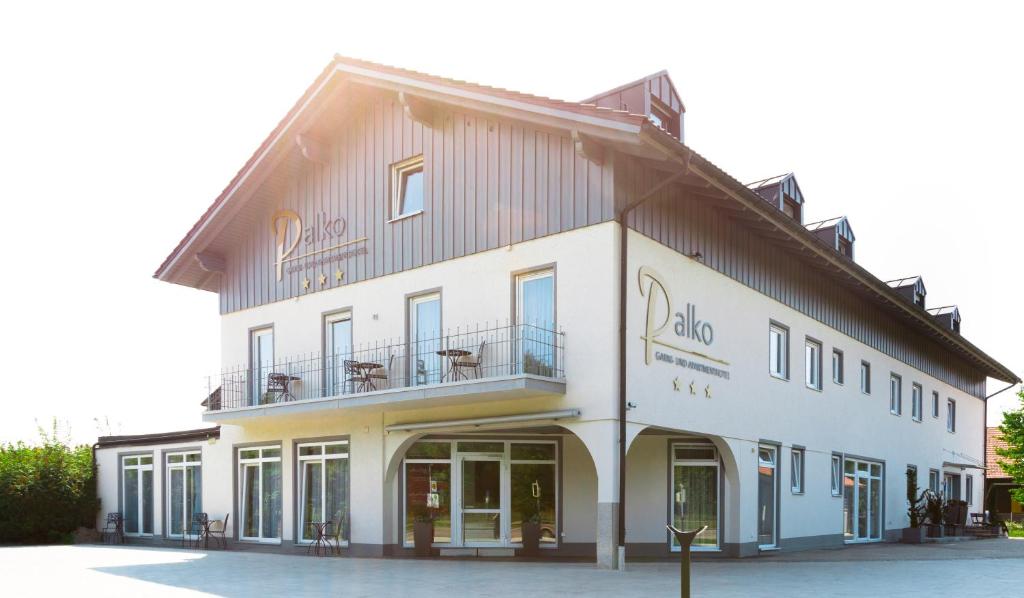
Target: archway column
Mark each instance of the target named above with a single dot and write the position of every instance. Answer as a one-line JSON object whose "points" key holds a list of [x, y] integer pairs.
{"points": [[600, 438]]}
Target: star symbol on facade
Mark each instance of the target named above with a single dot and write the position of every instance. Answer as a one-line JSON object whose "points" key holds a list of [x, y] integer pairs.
{"points": [[339, 275], [707, 391], [675, 384], [692, 391], [323, 279], [305, 283]]}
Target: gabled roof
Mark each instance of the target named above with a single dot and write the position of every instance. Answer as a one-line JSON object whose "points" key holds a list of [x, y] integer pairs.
{"points": [[910, 281], [942, 311], [770, 187], [840, 223], [627, 132], [994, 440], [660, 76]]}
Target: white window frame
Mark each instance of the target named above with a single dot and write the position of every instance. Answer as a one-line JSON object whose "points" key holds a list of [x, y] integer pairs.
{"points": [[838, 367], [969, 488], [951, 416], [715, 462], [184, 464], [797, 466], [774, 464], [865, 377], [140, 467], [916, 399], [258, 383], [778, 351], [332, 369], [322, 458], [399, 171], [934, 480], [895, 394], [260, 461], [935, 404], [414, 342], [837, 475], [812, 363]]}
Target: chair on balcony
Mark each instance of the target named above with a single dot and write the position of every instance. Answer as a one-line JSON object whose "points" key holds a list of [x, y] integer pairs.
{"points": [[382, 373], [355, 376], [472, 362]]}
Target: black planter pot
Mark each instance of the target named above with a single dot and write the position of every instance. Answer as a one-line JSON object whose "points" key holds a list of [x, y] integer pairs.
{"points": [[423, 537], [914, 535], [531, 539], [935, 531]]}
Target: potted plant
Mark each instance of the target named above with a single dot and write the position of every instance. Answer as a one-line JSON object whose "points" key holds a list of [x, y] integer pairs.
{"points": [[531, 534], [914, 534], [934, 509], [422, 530], [955, 516]]}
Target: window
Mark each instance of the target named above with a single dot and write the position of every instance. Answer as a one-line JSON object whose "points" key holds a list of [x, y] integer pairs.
{"points": [[969, 489], [950, 416], [261, 362], [837, 366], [916, 397], [184, 491], [796, 476], [845, 247], [337, 349], [895, 395], [260, 493], [865, 377], [137, 494], [535, 322], [812, 354], [778, 351], [323, 487], [934, 480], [791, 208], [767, 496], [425, 339], [407, 187], [837, 475], [694, 499], [935, 404]]}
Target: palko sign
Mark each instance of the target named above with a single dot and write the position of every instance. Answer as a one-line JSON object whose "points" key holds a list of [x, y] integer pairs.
{"points": [[660, 320], [289, 232]]}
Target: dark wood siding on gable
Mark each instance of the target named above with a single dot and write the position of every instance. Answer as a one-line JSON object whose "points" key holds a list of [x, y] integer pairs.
{"points": [[688, 224], [487, 183]]}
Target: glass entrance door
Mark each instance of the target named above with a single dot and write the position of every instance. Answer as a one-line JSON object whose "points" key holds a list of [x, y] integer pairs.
{"points": [[184, 492], [481, 500], [767, 494], [137, 500], [862, 501]]}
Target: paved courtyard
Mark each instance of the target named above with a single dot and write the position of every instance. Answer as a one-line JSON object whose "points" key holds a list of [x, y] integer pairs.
{"points": [[979, 568]]}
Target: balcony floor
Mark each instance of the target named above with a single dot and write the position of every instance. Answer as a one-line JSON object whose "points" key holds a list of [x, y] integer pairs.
{"points": [[520, 386]]}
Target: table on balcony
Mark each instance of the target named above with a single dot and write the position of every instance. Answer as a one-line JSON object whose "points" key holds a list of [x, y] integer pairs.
{"points": [[366, 380], [453, 356]]}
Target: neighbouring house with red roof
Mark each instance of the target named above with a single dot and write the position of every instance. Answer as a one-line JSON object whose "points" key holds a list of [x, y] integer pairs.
{"points": [[997, 482]]}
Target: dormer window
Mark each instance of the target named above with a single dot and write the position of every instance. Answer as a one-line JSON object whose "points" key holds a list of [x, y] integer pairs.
{"points": [[791, 208], [845, 248], [919, 299], [407, 187]]}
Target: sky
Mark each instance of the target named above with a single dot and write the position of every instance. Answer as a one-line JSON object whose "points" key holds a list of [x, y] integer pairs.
{"points": [[121, 122]]}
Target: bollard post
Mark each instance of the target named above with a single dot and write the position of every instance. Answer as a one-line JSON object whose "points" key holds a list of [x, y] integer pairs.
{"points": [[685, 539]]}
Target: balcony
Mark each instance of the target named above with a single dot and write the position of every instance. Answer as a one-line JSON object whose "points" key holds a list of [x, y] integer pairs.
{"points": [[501, 362]]}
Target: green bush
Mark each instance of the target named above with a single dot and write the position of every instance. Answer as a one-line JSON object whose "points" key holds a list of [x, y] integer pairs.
{"points": [[46, 491], [1016, 529]]}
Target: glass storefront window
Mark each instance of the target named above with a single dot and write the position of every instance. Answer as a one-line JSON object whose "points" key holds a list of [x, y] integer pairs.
{"points": [[428, 494]]}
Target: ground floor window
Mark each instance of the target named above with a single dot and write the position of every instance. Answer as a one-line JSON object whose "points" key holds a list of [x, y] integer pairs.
{"points": [[862, 501], [951, 486], [695, 485], [259, 480], [323, 487], [184, 491], [499, 485], [137, 494], [767, 495]]}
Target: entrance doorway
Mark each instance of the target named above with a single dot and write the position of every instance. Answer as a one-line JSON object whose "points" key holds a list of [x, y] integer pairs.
{"points": [[767, 496], [495, 486], [862, 501]]}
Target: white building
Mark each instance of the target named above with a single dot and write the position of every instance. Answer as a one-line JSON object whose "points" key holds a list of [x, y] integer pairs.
{"points": [[429, 311]]}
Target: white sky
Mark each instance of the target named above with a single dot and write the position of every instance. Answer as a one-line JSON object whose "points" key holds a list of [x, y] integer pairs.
{"points": [[120, 123]]}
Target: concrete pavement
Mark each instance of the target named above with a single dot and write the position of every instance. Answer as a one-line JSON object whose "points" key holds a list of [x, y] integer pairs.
{"points": [[978, 568]]}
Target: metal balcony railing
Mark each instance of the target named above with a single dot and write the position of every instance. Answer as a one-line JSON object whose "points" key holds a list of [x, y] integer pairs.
{"points": [[459, 355]]}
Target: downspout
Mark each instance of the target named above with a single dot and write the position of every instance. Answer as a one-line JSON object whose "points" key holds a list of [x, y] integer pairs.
{"points": [[623, 254]]}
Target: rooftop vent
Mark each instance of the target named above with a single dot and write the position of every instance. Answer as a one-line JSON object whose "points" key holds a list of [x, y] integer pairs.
{"points": [[782, 192], [948, 317], [912, 288], [836, 233], [654, 95]]}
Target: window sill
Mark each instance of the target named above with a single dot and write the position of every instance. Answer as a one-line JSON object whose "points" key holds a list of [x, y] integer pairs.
{"points": [[405, 216], [814, 388], [778, 377]]}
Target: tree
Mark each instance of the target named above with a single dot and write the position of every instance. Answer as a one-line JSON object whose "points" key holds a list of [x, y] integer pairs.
{"points": [[1012, 460]]}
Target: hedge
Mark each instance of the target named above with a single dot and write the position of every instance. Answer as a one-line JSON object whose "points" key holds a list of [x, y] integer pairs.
{"points": [[46, 492]]}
